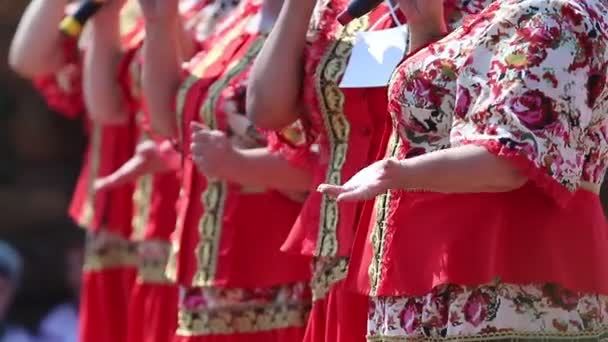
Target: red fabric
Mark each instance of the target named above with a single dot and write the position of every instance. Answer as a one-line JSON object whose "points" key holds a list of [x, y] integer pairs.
{"points": [[429, 227], [340, 316], [279, 335], [63, 89], [162, 212], [248, 254], [365, 110], [103, 305], [117, 144], [153, 313]]}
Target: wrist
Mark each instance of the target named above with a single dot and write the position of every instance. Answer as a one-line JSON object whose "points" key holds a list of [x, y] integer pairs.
{"points": [[403, 174], [233, 164]]}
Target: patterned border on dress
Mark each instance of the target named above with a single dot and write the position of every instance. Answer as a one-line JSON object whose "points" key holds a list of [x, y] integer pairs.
{"points": [[326, 273], [249, 319], [591, 336]]}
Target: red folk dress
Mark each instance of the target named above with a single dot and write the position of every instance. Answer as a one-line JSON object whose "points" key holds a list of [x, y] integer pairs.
{"points": [[110, 258], [350, 127], [154, 298], [527, 80], [237, 285]]}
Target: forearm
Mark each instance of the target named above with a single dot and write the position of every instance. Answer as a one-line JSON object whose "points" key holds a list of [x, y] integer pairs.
{"points": [[262, 168], [161, 75], [276, 78], [36, 48], [102, 91], [459, 170]]}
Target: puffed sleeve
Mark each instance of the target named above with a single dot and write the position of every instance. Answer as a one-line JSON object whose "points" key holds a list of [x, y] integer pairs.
{"points": [[294, 144], [62, 90], [529, 88]]}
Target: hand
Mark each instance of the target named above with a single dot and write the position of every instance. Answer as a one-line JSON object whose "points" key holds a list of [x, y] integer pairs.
{"points": [[148, 159], [154, 10], [212, 152], [367, 183]]}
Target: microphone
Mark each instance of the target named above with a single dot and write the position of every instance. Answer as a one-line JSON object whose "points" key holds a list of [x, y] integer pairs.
{"points": [[357, 9], [72, 24]]}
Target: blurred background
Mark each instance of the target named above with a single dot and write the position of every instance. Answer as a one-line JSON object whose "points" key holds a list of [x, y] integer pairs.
{"points": [[40, 156]]}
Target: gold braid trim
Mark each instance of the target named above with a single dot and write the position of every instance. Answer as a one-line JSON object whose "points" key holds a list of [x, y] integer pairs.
{"points": [[331, 103], [326, 273], [152, 268], [247, 319], [88, 211], [108, 251], [600, 334], [379, 231], [214, 196]]}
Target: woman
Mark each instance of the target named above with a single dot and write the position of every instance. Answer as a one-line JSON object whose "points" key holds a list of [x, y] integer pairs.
{"points": [[491, 227], [54, 60], [347, 123], [237, 286]]}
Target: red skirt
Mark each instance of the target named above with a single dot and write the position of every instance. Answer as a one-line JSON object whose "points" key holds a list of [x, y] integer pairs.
{"points": [[337, 314], [104, 304], [152, 312]]}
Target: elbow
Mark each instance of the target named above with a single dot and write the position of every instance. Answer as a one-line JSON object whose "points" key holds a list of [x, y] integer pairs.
{"points": [[509, 180], [19, 65], [267, 113]]}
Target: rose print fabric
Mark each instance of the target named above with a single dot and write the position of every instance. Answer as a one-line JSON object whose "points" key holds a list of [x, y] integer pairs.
{"points": [[525, 79], [495, 312]]}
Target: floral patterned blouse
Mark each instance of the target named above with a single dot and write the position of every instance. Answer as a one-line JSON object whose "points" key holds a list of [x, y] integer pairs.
{"points": [[527, 80]]}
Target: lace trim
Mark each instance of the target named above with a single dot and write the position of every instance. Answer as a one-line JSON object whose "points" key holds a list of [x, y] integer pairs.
{"points": [[594, 335], [326, 273], [249, 319]]}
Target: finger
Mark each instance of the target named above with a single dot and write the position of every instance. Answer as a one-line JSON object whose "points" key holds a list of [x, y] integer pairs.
{"points": [[128, 173], [196, 126], [202, 136], [356, 194], [331, 190]]}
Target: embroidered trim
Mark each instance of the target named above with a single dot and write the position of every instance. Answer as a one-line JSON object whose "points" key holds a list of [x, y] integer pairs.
{"points": [[377, 238], [326, 273], [214, 196], [331, 102], [249, 319], [107, 251], [595, 335], [210, 57], [142, 197], [88, 211], [151, 268]]}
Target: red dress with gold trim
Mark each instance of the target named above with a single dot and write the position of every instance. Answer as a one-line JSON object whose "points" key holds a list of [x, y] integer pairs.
{"points": [[154, 298], [238, 286], [110, 258]]}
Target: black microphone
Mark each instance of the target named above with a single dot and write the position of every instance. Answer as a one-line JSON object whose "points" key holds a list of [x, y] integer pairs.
{"points": [[72, 24], [357, 9]]}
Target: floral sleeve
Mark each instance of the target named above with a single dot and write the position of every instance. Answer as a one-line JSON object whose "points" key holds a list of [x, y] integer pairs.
{"points": [[529, 90]]}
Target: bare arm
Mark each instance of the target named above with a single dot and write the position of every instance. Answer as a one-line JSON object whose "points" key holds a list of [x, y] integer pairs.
{"points": [[276, 78], [263, 168], [162, 74], [461, 169], [36, 48], [102, 93]]}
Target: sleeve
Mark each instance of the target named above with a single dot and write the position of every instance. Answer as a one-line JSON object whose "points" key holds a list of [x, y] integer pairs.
{"points": [[62, 90], [295, 144], [527, 92]]}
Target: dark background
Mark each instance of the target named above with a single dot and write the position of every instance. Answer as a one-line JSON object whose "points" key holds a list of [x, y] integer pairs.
{"points": [[40, 156]]}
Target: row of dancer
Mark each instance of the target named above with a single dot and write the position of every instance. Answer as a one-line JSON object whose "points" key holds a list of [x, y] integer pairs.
{"points": [[450, 193]]}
